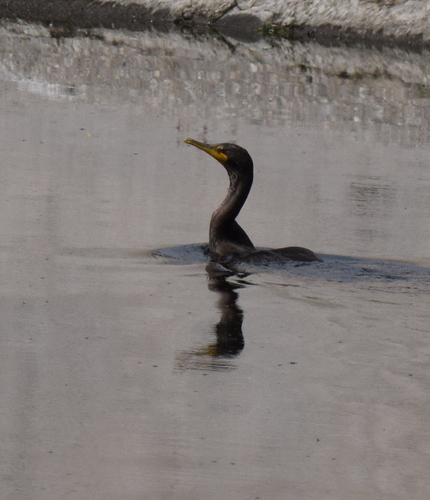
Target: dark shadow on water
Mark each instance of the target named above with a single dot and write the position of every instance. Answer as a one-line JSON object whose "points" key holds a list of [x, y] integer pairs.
{"points": [[334, 268], [229, 336], [229, 340]]}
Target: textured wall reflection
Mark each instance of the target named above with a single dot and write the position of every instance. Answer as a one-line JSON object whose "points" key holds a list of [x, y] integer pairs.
{"points": [[386, 92]]}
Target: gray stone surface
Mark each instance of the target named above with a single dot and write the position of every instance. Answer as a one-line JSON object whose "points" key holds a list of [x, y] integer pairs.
{"points": [[395, 18], [390, 20]]}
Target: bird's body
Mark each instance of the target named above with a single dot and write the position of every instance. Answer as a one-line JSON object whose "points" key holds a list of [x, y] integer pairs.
{"points": [[228, 242]]}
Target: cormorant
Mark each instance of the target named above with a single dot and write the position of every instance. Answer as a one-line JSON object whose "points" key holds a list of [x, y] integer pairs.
{"points": [[228, 242]]}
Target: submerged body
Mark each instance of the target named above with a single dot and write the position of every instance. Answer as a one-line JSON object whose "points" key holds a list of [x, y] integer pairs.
{"points": [[228, 242]]}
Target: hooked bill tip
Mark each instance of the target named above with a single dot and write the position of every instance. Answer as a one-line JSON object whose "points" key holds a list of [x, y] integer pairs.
{"points": [[213, 150]]}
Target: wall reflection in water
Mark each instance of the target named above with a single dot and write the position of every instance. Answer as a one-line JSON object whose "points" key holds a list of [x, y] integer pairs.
{"points": [[269, 83]]}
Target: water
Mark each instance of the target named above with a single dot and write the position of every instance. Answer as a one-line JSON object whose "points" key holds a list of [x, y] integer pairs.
{"points": [[129, 371]]}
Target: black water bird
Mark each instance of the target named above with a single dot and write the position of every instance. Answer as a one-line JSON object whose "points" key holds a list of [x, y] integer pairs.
{"points": [[228, 242]]}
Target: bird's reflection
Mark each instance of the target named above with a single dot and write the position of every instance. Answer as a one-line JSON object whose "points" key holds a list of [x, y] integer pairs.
{"points": [[229, 340], [229, 336]]}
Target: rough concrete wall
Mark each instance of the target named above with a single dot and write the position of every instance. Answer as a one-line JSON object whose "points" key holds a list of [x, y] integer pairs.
{"points": [[205, 8], [394, 17], [383, 19]]}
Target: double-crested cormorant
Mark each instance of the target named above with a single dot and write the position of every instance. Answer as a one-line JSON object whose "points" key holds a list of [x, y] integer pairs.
{"points": [[228, 242]]}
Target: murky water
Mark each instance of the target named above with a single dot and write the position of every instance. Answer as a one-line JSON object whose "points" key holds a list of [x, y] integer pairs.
{"points": [[128, 372]]}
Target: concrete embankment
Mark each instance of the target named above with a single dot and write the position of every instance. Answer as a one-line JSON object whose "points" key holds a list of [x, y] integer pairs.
{"points": [[396, 22]]}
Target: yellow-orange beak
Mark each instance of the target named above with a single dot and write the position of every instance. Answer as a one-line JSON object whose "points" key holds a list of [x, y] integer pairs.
{"points": [[211, 149]]}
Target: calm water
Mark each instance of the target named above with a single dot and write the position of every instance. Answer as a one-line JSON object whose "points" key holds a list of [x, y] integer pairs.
{"points": [[130, 373]]}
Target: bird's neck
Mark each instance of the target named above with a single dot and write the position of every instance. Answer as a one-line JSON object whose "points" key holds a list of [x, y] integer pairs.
{"points": [[233, 202]]}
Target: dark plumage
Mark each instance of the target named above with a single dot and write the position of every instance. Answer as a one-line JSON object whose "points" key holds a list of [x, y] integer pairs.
{"points": [[227, 240]]}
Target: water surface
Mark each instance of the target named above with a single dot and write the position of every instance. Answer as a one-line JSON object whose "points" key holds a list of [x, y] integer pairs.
{"points": [[129, 371]]}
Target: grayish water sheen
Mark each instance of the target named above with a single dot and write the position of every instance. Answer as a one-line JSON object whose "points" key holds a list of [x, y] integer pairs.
{"points": [[131, 370]]}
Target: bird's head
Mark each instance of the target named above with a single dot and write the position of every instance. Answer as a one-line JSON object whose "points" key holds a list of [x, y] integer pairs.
{"points": [[235, 159]]}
